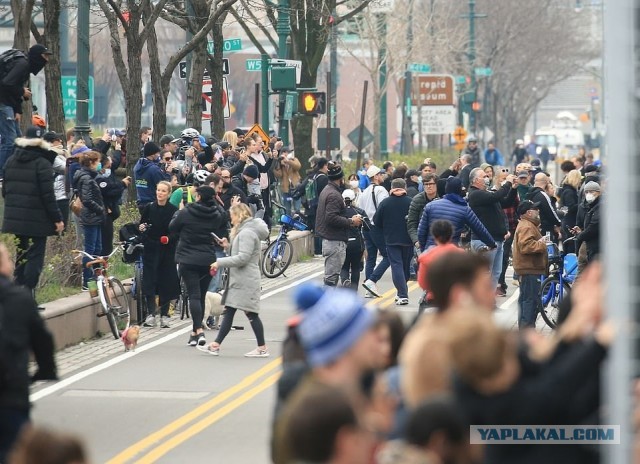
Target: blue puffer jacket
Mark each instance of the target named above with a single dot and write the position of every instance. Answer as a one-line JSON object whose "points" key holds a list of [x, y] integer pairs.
{"points": [[453, 208]]}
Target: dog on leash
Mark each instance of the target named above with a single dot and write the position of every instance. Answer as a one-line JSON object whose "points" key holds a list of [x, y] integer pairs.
{"points": [[130, 338]]}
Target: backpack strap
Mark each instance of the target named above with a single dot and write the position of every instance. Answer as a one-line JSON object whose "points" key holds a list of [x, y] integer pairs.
{"points": [[373, 196]]}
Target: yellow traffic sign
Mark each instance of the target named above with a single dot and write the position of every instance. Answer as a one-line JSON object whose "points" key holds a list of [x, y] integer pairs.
{"points": [[459, 146], [460, 134], [263, 135]]}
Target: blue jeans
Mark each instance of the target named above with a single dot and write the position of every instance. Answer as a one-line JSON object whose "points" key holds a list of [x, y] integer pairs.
{"points": [[400, 258], [9, 130], [494, 257], [374, 243], [93, 246], [216, 280], [529, 300], [11, 422], [292, 206]]}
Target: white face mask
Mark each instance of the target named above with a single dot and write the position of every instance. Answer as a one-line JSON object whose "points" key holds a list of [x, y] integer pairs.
{"points": [[354, 184], [487, 182], [590, 197], [107, 172]]}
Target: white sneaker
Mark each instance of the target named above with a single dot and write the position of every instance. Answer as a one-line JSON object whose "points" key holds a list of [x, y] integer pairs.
{"points": [[257, 353], [402, 301], [317, 256], [150, 321], [368, 294], [164, 322], [371, 286]]}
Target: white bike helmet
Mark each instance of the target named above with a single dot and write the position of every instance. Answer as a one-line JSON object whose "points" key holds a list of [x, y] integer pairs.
{"points": [[349, 194], [200, 176], [189, 133]]}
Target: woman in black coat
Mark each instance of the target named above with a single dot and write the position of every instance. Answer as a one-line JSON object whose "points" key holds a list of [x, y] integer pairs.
{"points": [[93, 211], [160, 276], [111, 188], [569, 205]]}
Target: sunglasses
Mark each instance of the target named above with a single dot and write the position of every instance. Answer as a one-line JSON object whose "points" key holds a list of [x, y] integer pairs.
{"points": [[505, 170], [169, 158]]}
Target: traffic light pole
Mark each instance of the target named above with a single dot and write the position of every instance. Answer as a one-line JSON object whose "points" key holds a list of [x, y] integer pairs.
{"points": [[82, 129], [265, 91], [468, 100], [382, 60], [282, 28]]}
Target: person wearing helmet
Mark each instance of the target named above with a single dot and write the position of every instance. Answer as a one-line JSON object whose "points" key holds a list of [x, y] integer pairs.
{"points": [[189, 133], [147, 173], [182, 196], [474, 151], [38, 121], [350, 273], [519, 154]]}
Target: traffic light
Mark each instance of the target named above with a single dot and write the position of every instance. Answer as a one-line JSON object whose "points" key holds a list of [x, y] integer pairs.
{"points": [[312, 103], [476, 106]]}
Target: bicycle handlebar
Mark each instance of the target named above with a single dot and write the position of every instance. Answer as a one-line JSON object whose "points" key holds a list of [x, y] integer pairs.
{"points": [[278, 205], [96, 258]]}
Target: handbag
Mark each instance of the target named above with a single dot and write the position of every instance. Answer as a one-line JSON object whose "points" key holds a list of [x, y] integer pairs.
{"points": [[75, 204]]}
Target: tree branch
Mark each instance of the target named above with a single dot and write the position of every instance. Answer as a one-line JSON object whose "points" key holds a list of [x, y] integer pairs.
{"points": [[118, 12], [263, 29], [151, 21], [247, 30], [353, 12]]}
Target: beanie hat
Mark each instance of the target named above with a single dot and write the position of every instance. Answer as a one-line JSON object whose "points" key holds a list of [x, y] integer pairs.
{"points": [[80, 149], [150, 149], [332, 322], [34, 132], [252, 171], [591, 187], [591, 168], [335, 172], [454, 185]]}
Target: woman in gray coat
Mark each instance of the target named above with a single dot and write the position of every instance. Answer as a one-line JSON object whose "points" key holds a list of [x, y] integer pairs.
{"points": [[242, 290]]}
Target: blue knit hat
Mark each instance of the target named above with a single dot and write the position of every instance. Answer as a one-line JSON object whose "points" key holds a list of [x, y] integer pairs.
{"points": [[332, 322]]}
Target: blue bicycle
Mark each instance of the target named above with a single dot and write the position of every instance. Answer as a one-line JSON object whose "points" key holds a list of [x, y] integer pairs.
{"points": [[278, 255], [563, 270]]}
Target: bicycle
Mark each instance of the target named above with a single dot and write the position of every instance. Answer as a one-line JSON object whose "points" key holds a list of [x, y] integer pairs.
{"points": [[113, 297], [133, 249], [182, 303], [278, 255], [563, 270]]}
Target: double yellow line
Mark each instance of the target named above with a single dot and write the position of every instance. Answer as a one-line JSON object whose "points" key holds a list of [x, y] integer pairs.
{"points": [[256, 383]]}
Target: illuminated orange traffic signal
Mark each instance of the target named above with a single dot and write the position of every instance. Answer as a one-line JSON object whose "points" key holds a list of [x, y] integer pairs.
{"points": [[476, 106], [312, 103]]}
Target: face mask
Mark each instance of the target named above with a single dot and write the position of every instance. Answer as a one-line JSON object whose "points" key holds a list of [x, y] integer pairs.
{"points": [[354, 184], [487, 182], [589, 197], [107, 172], [99, 167]]}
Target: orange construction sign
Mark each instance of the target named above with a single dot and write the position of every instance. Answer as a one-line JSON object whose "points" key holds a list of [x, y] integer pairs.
{"points": [[263, 135], [460, 134]]}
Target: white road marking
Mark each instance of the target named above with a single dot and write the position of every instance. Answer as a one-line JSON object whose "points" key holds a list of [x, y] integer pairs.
{"points": [[47, 391], [130, 394]]}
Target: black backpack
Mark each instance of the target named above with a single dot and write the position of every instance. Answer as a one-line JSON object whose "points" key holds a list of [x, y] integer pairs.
{"points": [[8, 60]]}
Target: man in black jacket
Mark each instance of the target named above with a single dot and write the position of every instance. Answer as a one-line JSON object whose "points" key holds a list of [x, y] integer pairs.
{"points": [[13, 92], [590, 235], [488, 207], [31, 211], [332, 226], [21, 331], [549, 220], [473, 151]]}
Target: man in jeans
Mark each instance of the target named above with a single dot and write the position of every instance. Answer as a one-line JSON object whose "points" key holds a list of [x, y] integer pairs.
{"points": [[529, 261], [13, 92], [332, 226]]}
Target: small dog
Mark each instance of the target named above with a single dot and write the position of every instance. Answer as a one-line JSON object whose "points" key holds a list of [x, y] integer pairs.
{"points": [[130, 338]]}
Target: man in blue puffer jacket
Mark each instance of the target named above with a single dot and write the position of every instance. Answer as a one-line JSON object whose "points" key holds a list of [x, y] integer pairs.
{"points": [[453, 208], [147, 173]]}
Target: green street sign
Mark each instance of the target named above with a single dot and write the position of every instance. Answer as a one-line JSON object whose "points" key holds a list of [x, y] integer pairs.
{"points": [[69, 96], [229, 45], [290, 105], [461, 80], [483, 72], [419, 68], [254, 65]]}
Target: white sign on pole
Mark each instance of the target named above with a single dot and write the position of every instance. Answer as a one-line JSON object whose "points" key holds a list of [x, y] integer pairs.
{"points": [[381, 6], [207, 97], [293, 64], [435, 119]]}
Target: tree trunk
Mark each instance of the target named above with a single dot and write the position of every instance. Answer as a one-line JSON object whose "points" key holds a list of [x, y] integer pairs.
{"points": [[195, 102], [22, 11], [159, 98], [302, 127], [214, 64], [55, 108]]}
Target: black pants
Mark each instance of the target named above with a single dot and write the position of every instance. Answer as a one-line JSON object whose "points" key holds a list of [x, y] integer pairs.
{"points": [[107, 236], [352, 265], [196, 279], [227, 322], [29, 260], [506, 252], [268, 211]]}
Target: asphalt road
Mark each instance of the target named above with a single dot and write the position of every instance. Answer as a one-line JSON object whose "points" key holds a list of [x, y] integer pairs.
{"points": [[170, 403]]}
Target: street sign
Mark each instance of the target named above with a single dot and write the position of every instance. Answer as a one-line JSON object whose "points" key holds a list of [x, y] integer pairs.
{"points": [[289, 105], [207, 96], [69, 86], [367, 136], [229, 45], [483, 72], [183, 69], [434, 119], [461, 80], [263, 135], [334, 138], [292, 64], [459, 146], [253, 65], [460, 134], [433, 90], [419, 68], [381, 6]]}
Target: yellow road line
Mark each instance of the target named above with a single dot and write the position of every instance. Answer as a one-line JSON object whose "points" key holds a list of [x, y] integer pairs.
{"points": [[167, 430], [201, 425]]}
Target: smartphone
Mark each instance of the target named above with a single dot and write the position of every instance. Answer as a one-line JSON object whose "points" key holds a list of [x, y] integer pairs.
{"points": [[218, 239]]}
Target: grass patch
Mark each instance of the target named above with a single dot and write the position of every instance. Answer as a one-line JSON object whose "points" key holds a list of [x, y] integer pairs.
{"points": [[54, 292], [304, 258]]}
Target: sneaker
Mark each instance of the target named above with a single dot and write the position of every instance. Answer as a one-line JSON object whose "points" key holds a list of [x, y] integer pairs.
{"points": [[402, 301], [193, 340], [371, 286], [85, 288], [150, 321], [368, 294], [201, 340], [317, 256], [257, 353], [164, 322], [209, 350], [346, 283], [500, 292], [515, 282]]}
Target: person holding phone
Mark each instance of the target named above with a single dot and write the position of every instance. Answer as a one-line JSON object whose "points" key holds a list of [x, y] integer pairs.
{"points": [[111, 189]]}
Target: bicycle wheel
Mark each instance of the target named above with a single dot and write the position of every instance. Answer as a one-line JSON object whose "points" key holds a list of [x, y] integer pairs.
{"points": [[183, 301], [550, 298], [118, 312], [277, 258], [141, 302]]}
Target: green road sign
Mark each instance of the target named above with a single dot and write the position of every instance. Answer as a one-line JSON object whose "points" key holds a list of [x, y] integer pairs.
{"points": [[485, 72], [461, 80], [419, 68], [69, 96], [229, 45], [290, 105], [254, 65]]}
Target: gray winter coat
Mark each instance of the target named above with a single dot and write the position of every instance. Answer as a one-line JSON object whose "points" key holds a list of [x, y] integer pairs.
{"points": [[242, 290]]}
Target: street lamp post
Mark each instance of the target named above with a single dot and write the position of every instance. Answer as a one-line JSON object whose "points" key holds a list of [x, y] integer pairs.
{"points": [[382, 61], [282, 28], [82, 128], [472, 61]]}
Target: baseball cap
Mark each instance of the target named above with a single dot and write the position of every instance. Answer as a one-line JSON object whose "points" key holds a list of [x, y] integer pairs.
{"points": [[372, 171], [203, 141], [39, 49], [526, 205], [523, 174], [34, 132], [116, 132], [52, 136], [167, 138]]}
